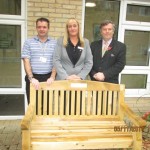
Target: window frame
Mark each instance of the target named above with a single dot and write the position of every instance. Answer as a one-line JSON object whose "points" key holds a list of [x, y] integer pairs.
{"points": [[136, 26], [21, 21]]}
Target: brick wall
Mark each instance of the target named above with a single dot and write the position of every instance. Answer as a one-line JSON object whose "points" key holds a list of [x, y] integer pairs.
{"points": [[57, 11], [138, 104]]}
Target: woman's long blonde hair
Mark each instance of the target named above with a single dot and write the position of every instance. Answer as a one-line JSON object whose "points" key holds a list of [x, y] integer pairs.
{"points": [[66, 35]]}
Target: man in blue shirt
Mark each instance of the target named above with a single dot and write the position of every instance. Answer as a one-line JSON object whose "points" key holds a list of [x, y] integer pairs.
{"points": [[37, 55]]}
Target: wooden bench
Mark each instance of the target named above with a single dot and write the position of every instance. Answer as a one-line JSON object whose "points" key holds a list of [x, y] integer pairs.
{"points": [[80, 115]]}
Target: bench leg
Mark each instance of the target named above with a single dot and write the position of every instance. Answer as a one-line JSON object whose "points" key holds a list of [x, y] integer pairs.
{"points": [[137, 144], [25, 140]]}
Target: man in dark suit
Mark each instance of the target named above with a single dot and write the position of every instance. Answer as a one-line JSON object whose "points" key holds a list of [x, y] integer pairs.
{"points": [[109, 55]]}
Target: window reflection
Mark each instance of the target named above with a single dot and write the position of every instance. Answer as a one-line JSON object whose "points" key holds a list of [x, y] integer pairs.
{"points": [[134, 81], [138, 44], [10, 51], [138, 13], [10, 7], [95, 15], [11, 105]]}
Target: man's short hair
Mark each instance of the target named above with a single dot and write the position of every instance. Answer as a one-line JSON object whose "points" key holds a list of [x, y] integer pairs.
{"points": [[43, 19], [106, 22]]}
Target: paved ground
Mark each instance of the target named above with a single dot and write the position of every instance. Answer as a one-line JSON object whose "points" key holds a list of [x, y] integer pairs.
{"points": [[10, 136]]}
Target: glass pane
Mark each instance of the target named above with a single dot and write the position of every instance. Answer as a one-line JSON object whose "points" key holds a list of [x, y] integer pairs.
{"points": [[10, 7], [12, 105], [138, 45], [138, 13], [103, 10], [10, 52], [134, 81]]}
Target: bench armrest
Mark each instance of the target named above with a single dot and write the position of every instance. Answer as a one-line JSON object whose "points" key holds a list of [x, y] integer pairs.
{"points": [[25, 123], [137, 120]]}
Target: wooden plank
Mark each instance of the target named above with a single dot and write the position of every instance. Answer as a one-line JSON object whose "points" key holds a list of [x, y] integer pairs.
{"points": [[72, 102], [78, 118], [56, 107], [39, 102], [109, 103], [50, 103], [60, 136], [114, 112], [99, 111], [78, 98], [97, 86], [94, 108], [67, 103], [89, 94], [104, 102], [97, 124], [45, 100], [83, 110], [26, 143], [61, 101], [84, 143]]}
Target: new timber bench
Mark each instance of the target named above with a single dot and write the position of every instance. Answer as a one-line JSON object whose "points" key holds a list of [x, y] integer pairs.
{"points": [[80, 115]]}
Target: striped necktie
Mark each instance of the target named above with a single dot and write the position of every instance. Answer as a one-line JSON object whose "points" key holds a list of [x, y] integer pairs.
{"points": [[104, 49]]}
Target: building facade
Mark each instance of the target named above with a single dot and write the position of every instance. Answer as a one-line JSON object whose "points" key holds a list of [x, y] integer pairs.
{"points": [[17, 23]]}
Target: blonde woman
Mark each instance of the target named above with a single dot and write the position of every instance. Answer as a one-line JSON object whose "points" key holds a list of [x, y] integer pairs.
{"points": [[72, 56]]}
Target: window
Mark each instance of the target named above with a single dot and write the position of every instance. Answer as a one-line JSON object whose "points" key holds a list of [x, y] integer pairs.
{"points": [[12, 34], [138, 13], [94, 15], [137, 47], [135, 33], [10, 46], [10, 7]]}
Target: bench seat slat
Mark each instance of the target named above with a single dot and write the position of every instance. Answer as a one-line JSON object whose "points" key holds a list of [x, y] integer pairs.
{"points": [[83, 143]]}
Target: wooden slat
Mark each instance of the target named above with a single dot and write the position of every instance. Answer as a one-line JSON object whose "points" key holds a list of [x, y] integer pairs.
{"points": [[26, 140], [50, 103], [39, 102], [114, 103], [97, 86], [56, 95], [72, 102], [94, 108], [83, 103], [67, 102], [45, 103], [61, 97], [99, 110], [104, 102], [84, 143], [109, 103], [89, 94], [40, 123], [56, 136], [78, 102]]}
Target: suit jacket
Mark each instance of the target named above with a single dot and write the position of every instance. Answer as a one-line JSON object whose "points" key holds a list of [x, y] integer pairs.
{"points": [[63, 65], [112, 63]]}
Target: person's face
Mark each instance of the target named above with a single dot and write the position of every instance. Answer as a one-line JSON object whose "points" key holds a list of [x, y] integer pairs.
{"points": [[107, 32], [73, 28], [42, 28]]}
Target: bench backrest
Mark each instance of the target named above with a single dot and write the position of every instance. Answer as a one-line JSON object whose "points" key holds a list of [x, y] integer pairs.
{"points": [[77, 98]]}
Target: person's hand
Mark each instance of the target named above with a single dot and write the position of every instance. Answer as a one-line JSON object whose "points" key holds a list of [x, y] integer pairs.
{"points": [[99, 76], [73, 77], [35, 83], [50, 80]]}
